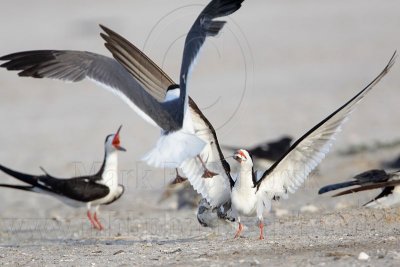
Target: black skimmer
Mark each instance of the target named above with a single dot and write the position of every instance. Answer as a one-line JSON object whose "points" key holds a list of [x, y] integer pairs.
{"points": [[101, 188], [155, 97], [372, 179], [251, 192], [217, 190]]}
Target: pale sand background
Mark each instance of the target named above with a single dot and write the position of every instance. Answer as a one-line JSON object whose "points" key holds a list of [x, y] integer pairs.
{"points": [[278, 68]]}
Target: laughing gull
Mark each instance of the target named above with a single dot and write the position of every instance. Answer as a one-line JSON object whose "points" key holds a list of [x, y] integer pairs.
{"points": [[101, 188], [159, 101], [369, 180]]}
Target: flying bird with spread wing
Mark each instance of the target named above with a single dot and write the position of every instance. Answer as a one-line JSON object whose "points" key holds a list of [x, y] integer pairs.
{"points": [[154, 96]]}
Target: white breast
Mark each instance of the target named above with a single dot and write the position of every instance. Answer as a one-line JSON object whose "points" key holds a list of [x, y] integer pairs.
{"points": [[243, 195]]}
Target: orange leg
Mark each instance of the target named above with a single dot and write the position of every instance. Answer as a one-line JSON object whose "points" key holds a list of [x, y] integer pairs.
{"points": [[207, 173], [100, 226], [261, 225], [92, 221], [178, 179], [240, 229]]}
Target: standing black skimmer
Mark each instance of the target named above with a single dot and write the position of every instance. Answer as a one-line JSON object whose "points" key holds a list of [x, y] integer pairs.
{"points": [[101, 188], [251, 192], [372, 179], [154, 97], [254, 191]]}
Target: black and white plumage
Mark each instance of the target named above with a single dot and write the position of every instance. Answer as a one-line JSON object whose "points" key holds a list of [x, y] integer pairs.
{"points": [[92, 191], [369, 180], [253, 191], [303, 156], [148, 97], [286, 175]]}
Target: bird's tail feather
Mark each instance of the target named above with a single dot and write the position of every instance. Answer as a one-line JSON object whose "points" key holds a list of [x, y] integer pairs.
{"points": [[27, 178], [20, 187], [172, 149]]}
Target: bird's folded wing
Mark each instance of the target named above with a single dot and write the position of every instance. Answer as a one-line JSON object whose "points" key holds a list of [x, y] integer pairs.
{"points": [[368, 187], [76, 188]]}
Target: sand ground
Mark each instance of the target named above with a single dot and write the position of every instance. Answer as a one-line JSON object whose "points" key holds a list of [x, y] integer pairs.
{"points": [[279, 67]]}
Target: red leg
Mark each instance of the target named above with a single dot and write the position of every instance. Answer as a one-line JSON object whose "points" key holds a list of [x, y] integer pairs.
{"points": [[261, 225], [178, 179], [92, 221], [239, 230], [100, 226], [207, 173]]}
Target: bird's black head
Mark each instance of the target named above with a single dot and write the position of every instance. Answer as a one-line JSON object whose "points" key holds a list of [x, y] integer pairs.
{"points": [[172, 87]]}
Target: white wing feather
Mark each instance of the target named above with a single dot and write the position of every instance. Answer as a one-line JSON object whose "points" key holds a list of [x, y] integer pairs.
{"points": [[288, 174], [216, 189]]}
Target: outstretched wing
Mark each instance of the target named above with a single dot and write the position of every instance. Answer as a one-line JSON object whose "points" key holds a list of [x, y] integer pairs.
{"points": [[139, 65], [204, 26], [74, 66], [215, 190], [287, 174]]}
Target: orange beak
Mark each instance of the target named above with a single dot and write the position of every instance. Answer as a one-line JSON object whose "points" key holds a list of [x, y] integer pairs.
{"points": [[116, 142]]}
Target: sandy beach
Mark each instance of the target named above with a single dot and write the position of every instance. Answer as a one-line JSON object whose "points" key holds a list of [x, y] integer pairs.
{"points": [[278, 68]]}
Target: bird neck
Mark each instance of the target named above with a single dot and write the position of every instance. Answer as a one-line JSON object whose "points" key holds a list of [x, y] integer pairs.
{"points": [[109, 169], [245, 177]]}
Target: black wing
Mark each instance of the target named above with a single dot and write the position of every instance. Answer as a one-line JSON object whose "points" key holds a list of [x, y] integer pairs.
{"points": [[365, 178], [204, 26], [82, 189], [369, 187]]}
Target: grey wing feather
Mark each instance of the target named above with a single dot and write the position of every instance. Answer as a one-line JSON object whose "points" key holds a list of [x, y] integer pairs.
{"points": [[168, 115], [140, 66], [74, 66]]}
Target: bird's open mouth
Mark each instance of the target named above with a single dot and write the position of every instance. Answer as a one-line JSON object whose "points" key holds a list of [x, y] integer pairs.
{"points": [[239, 156]]}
